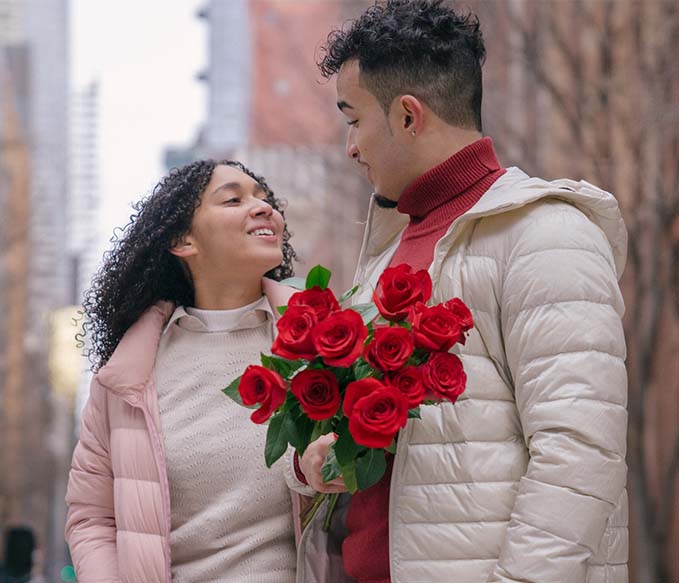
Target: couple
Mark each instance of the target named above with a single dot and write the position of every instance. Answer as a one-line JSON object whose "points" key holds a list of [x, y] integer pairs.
{"points": [[522, 480]]}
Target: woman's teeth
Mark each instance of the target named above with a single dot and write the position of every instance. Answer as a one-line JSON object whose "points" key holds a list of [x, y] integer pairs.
{"points": [[262, 232]]}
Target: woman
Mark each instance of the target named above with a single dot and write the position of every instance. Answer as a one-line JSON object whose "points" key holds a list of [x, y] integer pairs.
{"points": [[168, 482]]}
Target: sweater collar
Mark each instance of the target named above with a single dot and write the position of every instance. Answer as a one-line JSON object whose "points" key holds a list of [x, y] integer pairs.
{"points": [[444, 182], [197, 320], [129, 369]]}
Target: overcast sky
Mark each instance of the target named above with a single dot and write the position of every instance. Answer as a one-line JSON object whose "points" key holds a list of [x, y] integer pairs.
{"points": [[145, 55]]}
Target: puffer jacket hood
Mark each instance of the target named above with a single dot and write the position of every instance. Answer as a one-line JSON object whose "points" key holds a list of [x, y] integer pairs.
{"points": [[513, 190]]}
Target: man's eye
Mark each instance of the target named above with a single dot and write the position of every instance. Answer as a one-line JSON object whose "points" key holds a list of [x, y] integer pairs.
{"points": [[233, 200], [353, 123]]}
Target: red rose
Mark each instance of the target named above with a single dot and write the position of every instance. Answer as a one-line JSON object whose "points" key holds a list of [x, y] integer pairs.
{"points": [[461, 311], [409, 382], [357, 390], [318, 392], [389, 349], [294, 338], [435, 328], [321, 301], [398, 289], [376, 418], [339, 338], [261, 385], [444, 376]]}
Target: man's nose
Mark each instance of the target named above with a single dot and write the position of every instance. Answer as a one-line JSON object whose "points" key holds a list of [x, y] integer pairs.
{"points": [[351, 148]]}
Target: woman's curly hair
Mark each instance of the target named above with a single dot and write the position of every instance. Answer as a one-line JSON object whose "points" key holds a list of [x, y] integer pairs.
{"points": [[139, 271]]}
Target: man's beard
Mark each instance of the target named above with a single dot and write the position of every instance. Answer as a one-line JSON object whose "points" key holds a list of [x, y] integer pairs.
{"points": [[385, 203]]}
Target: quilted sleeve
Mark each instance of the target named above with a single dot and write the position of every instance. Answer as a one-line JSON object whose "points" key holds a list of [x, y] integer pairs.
{"points": [[90, 523], [561, 321]]}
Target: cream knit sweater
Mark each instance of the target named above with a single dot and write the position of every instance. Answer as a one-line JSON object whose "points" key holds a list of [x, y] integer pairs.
{"points": [[231, 516]]}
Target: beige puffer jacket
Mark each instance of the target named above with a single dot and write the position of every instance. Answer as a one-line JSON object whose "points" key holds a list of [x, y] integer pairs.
{"points": [[523, 479]]}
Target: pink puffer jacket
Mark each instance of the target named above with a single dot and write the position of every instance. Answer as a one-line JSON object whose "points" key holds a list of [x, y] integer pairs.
{"points": [[118, 523]]}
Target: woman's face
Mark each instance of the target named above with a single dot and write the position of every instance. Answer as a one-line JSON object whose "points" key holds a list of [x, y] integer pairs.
{"points": [[235, 231]]}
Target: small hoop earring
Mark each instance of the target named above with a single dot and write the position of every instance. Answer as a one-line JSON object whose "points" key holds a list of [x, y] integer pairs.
{"points": [[412, 133]]}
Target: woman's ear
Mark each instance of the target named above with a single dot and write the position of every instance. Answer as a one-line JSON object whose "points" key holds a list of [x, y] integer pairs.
{"points": [[184, 247]]}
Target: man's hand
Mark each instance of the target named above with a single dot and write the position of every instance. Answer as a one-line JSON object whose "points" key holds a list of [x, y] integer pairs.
{"points": [[312, 462]]}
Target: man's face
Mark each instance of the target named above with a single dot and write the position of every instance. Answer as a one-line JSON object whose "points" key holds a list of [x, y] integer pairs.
{"points": [[374, 139]]}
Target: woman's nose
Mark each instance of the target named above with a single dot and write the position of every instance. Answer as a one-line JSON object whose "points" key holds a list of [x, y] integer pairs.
{"points": [[261, 208]]}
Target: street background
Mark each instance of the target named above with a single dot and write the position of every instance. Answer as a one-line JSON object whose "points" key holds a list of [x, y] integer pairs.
{"points": [[99, 99]]}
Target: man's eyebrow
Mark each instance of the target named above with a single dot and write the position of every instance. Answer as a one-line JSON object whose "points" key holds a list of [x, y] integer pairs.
{"points": [[344, 105]]}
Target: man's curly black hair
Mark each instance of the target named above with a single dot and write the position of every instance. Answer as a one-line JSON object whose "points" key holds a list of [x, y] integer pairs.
{"points": [[139, 270], [417, 47]]}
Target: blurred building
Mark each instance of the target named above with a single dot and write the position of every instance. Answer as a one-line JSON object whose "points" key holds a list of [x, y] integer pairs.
{"points": [[34, 267], [228, 74], [84, 252], [12, 29], [269, 107]]}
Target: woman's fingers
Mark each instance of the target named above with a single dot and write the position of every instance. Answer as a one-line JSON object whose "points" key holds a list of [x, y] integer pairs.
{"points": [[312, 461]]}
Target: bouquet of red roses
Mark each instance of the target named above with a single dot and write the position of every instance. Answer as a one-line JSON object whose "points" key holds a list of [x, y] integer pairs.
{"points": [[360, 372]]}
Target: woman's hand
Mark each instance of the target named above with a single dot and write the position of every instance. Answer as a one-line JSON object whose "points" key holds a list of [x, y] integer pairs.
{"points": [[312, 462]]}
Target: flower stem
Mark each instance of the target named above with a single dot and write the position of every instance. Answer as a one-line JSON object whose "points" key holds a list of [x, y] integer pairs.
{"points": [[332, 503], [308, 515]]}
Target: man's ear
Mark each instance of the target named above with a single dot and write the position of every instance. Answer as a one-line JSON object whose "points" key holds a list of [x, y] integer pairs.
{"points": [[410, 113], [184, 247]]}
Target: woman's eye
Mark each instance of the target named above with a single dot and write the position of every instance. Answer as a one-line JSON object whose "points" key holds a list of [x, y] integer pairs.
{"points": [[353, 123], [233, 200]]}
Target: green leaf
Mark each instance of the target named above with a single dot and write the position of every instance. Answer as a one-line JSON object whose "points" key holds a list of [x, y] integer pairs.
{"points": [[346, 449], [347, 294], [418, 357], [344, 375], [414, 413], [368, 311], [318, 276], [362, 369], [316, 432], [321, 428], [370, 468], [349, 476], [282, 366], [232, 390], [330, 468], [296, 282], [290, 404], [276, 442], [299, 431], [392, 447], [282, 309]]}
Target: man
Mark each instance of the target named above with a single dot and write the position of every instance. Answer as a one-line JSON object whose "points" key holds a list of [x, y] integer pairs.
{"points": [[522, 480]]}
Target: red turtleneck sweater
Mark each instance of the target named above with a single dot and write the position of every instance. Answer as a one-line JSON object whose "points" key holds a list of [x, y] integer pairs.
{"points": [[433, 201]]}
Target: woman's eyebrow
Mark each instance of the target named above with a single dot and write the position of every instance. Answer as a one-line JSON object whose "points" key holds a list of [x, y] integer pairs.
{"points": [[237, 186]]}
